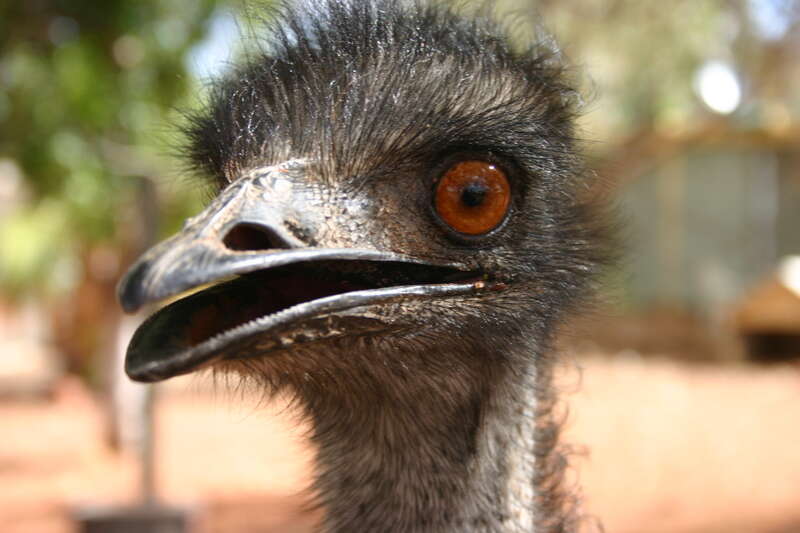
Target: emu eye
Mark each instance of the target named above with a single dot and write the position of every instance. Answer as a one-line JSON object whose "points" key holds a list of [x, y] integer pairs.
{"points": [[473, 197]]}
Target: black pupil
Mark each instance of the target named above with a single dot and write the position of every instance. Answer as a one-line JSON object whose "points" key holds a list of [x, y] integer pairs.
{"points": [[474, 194]]}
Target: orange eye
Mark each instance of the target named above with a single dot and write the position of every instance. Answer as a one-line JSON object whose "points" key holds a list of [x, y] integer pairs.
{"points": [[473, 197]]}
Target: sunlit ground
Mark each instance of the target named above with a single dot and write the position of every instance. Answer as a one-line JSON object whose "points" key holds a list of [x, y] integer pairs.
{"points": [[669, 447]]}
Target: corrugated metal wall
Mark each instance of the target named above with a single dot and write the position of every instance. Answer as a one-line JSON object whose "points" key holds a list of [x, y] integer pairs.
{"points": [[706, 225]]}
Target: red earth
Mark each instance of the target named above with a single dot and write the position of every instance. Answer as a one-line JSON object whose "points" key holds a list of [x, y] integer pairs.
{"points": [[662, 447]]}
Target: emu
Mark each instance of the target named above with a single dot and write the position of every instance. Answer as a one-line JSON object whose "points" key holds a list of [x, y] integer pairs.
{"points": [[401, 223]]}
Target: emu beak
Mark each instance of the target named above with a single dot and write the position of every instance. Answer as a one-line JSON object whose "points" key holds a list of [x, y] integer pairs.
{"points": [[259, 230]]}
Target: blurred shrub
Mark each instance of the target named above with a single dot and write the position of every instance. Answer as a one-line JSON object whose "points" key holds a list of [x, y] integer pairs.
{"points": [[85, 87]]}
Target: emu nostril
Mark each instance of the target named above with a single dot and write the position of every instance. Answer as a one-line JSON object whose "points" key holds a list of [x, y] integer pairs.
{"points": [[252, 238]]}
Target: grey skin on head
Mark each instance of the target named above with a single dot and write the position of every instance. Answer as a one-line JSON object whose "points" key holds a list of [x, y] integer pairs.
{"points": [[401, 223]]}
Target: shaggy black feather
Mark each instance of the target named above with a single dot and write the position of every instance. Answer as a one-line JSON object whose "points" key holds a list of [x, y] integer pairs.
{"points": [[413, 428]]}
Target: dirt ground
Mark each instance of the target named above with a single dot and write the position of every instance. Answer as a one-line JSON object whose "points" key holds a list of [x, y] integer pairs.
{"points": [[661, 447]]}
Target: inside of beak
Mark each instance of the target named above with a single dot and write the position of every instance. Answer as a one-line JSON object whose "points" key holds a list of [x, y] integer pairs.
{"points": [[192, 320]]}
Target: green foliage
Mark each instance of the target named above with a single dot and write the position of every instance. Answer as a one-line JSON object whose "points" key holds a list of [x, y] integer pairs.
{"points": [[85, 87], [31, 249]]}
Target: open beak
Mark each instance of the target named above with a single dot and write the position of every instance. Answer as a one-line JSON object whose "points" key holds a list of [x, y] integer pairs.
{"points": [[271, 288]]}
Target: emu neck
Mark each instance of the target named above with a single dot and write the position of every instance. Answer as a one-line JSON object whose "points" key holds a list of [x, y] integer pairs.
{"points": [[428, 454]]}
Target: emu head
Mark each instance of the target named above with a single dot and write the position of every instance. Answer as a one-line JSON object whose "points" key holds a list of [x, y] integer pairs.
{"points": [[399, 206]]}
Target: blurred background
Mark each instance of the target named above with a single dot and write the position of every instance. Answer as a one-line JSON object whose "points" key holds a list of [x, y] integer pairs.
{"points": [[683, 389]]}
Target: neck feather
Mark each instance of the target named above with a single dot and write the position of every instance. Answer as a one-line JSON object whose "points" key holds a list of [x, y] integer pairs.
{"points": [[429, 454]]}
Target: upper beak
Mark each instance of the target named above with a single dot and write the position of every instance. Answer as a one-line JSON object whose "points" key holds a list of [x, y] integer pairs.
{"points": [[260, 222], [243, 230]]}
